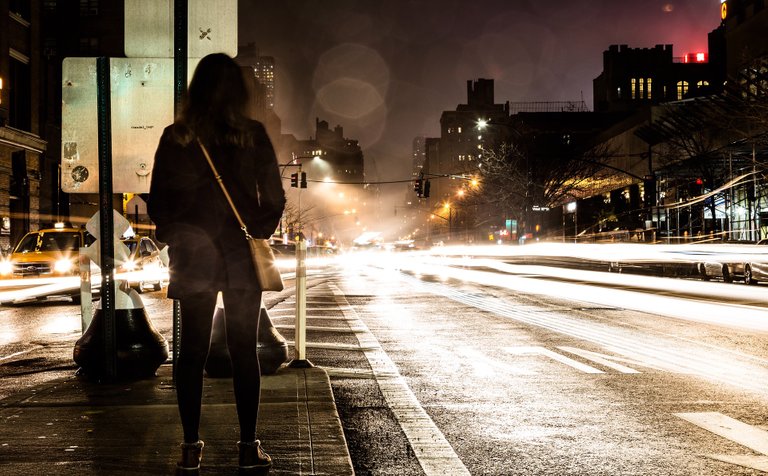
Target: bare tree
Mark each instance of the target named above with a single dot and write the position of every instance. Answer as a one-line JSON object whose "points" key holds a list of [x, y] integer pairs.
{"points": [[536, 168]]}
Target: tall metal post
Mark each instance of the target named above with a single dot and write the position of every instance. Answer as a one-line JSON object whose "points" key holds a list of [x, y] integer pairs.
{"points": [[106, 218], [180, 49], [300, 339]]}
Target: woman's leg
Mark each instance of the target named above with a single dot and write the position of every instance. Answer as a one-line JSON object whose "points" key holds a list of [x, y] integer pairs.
{"points": [[196, 320], [241, 315]]}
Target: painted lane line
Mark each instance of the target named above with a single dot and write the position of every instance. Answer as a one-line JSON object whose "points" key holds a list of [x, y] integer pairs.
{"points": [[332, 346], [736, 431], [607, 361], [435, 455], [16, 354], [537, 350], [342, 330], [729, 428], [355, 373], [759, 463]]}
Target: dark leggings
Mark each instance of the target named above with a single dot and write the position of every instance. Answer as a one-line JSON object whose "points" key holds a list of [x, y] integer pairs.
{"points": [[242, 320]]}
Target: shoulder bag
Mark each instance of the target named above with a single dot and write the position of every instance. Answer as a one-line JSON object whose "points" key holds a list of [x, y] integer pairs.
{"points": [[267, 273]]}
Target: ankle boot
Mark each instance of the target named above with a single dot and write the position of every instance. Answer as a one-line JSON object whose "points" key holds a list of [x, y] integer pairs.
{"points": [[252, 458], [191, 454]]}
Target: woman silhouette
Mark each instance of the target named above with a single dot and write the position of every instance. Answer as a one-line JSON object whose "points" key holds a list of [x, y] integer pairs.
{"points": [[208, 251]]}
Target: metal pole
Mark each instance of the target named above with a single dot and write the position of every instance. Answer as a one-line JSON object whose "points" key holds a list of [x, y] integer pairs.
{"points": [[106, 217], [180, 49], [300, 338]]}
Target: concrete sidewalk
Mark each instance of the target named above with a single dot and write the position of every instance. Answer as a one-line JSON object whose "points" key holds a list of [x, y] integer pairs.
{"points": [[77, 427]]}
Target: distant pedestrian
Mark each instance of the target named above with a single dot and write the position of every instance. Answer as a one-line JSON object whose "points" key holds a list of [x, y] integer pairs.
{"points": [[208, 251]]}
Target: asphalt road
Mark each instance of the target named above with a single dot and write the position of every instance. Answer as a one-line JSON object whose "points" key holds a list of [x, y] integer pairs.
{"points": [[439, 369]]}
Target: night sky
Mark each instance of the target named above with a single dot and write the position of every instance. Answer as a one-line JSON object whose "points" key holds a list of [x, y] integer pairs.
{"points": [[385, 70]]}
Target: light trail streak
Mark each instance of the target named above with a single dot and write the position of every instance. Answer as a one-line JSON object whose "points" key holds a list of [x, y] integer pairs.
{"points": [[657, 351]]}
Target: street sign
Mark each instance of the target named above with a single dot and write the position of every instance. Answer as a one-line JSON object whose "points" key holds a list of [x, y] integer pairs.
{"points": [[211, 28], [142, 106]]}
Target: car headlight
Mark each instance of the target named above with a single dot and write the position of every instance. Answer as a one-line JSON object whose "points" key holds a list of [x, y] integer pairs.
{"points": [[6, 267], [63, 266]]}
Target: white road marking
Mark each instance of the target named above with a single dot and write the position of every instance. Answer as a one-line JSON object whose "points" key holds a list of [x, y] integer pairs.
{"points": [[333, 346], [538, 350], [322, 329], [734, 430], [436, 456], [15, 354], [355, 373], [746, 435], [602, 359]]}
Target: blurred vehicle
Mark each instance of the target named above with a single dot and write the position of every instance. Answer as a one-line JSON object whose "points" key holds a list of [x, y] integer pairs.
{"points": [[748, 264], [283, 250], [47, 252], [288, 250], [144, 268], [755, 271]]}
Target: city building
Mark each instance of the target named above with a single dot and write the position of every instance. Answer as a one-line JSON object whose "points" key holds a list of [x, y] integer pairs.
{"points": [[637, 77], [23, 144]]}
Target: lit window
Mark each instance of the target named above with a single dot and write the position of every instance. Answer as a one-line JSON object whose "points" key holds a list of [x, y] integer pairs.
{"points": [[682, 89], [459, 130], [642, 88], [648, 88], [701, 84], [634, 88], [89, 8]]}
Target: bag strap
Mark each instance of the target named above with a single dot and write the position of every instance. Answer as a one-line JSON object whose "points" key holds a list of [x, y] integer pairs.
{"points": [[224, 189]]}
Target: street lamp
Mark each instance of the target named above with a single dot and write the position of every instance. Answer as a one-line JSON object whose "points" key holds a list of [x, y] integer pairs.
{"points": [[571, 208]]}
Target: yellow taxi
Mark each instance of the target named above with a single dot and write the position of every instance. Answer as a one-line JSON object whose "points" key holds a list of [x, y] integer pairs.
{"points": [[46, 252]]}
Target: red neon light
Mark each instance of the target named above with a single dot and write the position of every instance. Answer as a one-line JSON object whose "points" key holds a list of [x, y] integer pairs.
{"points": [[695, 58]]}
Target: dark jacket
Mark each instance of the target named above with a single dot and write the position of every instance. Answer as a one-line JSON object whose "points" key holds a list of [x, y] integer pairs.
{"points": [[208, 250]]}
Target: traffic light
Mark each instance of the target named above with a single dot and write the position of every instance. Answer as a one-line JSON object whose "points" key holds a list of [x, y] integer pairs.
{"points": [[426, 189], [295, 180], [417, 187], [303, 180]]}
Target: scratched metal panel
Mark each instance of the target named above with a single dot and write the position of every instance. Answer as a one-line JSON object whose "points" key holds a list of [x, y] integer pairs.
{"points": [[79, 145], [212, 28], [142, 106]]}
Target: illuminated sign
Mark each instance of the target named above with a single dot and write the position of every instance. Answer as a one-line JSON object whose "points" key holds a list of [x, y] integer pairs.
{"points": [[695, 58], [723, 9]]}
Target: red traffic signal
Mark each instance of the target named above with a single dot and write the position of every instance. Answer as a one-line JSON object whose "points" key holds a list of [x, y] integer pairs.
{"points": [[417, 187], [295, 180]]}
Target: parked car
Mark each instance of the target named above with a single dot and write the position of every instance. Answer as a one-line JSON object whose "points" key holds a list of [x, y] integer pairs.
{"points": [[746, 264], [144, 268], [47, 252]]}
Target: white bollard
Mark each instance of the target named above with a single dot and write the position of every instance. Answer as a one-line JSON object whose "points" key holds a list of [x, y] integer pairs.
{"points": [[300, 339]]}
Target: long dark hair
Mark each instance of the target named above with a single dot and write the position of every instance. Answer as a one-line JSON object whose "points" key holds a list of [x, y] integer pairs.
{"points": [[214, 108]]}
